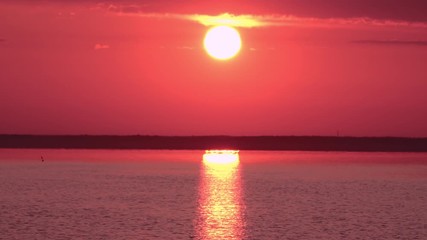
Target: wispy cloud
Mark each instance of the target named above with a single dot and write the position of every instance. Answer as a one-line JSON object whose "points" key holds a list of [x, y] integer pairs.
{"points": [[254, 21], [395, 10], [392, 42], [126, 9], [228, 19], [289, 20]]}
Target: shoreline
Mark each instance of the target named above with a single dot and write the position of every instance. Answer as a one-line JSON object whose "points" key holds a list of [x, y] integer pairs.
{"points": [[267, 143]]}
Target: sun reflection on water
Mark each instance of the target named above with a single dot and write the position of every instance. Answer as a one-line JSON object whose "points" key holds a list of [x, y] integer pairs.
{"points": [[220, 201], [221, 157]]}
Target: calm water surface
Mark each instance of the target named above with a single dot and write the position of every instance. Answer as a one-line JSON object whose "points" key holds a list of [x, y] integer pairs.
{"points": [[104, 194]]}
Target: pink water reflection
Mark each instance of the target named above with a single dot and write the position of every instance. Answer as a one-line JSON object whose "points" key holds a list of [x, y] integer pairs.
{"points": [[220, 199]]}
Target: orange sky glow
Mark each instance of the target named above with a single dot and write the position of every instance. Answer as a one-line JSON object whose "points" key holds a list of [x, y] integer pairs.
{"points": [[139, 67]]}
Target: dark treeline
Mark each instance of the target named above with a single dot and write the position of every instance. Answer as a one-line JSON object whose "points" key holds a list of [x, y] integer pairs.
{"points": [[300, 143]]}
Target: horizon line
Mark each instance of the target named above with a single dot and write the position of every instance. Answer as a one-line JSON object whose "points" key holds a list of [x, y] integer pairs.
{"points": [[219, 135]]}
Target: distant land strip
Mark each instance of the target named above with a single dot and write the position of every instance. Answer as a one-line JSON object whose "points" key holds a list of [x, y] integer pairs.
{"points": [[280, 143]]}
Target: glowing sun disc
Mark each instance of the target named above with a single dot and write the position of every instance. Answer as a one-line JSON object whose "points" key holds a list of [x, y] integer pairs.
{"points": [[222, 42]]}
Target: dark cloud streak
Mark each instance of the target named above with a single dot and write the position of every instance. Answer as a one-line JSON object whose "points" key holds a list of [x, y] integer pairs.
{"points": [[406, 10]]}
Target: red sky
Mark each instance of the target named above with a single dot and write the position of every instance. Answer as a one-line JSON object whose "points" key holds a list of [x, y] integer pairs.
{"points": [[138, 67]]}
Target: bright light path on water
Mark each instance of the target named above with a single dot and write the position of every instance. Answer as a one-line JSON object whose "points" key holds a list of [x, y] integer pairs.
{"points": [[221, 206]]}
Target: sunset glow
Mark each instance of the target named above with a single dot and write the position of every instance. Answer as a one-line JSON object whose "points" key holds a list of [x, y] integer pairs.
{"points": [[222, 42], [167, 68], [213, 120]]}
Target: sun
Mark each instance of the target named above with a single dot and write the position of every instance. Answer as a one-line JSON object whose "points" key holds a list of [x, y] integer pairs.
{"points": [[222, 42]]}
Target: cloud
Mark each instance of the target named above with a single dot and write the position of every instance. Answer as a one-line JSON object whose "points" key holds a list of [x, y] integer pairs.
{"points": [[392, 42], [100, 46], [258, 13], [126, 9], [261, 20], [402, 10], [254, 21], [227, 19]]}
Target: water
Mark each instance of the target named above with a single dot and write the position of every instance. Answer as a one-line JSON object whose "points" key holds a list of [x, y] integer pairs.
{"points": [[104, 194]]}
